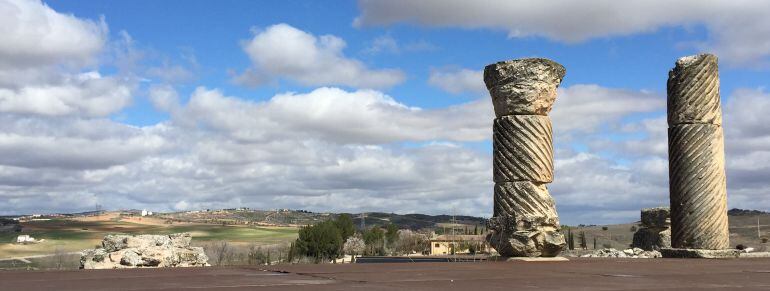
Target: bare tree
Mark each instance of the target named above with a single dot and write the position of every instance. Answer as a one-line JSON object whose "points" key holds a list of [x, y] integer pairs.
{"points": [[220, 253], [411, 242]]}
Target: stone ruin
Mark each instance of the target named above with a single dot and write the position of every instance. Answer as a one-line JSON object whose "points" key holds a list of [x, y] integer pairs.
{"points": [[525, 222], [127, 251], [698, 188], [655, 230]]}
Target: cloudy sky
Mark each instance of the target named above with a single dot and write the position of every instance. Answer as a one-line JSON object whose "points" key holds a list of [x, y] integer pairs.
{"points": [[356, 106]]}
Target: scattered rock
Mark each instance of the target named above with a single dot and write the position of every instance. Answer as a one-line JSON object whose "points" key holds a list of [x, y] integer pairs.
{"points": [[635, 253], [126, 251]]}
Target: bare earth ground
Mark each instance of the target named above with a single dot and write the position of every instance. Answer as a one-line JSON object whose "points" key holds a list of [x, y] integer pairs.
{"points": [[594, 274]]}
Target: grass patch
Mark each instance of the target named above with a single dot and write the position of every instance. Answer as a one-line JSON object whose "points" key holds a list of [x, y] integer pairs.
{"points": [[70, 235]]}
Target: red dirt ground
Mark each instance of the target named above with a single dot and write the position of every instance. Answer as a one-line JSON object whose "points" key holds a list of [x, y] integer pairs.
{"points": [[594, 274]]}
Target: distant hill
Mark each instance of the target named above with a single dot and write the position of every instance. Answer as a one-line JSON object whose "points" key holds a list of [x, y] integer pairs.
{"points": [[747, 227], [414, 221], [744, 212]]}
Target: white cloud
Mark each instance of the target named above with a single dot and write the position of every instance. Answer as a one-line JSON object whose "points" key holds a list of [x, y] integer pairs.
{"points": [[384, 44], [457, 81], [387, 44], [327, 149], [221, 151], [43, 54], [587, 107], [362, 117], [87, 94], [33, 34], [729, 23], [282, 51]]}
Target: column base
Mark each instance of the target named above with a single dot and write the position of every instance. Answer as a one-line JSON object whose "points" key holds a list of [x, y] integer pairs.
{"points": [[699, 253]]}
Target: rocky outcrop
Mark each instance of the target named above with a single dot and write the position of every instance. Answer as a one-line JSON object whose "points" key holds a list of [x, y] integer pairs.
{"points": [[655, 230], [127, 251], [525, 222]]}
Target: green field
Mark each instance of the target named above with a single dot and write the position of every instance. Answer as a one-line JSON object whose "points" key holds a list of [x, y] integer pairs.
{"points": [[69, 235]]}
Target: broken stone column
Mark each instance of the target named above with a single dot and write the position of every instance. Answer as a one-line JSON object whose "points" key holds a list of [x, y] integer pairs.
{"points": [[655, 230], [524, 221], [698, 188]]}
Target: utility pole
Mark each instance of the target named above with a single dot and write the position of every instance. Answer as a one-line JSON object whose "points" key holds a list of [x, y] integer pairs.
{"points": [[363, 221], [454, 247], [759, 235]]}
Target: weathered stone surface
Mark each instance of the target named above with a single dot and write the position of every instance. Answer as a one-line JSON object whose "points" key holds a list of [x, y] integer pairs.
{"points": [[525, 222], [635, 253], [524, 86], [112, 242], [700, 253], [696, 156], [754, 255], [698, 188], [125, 251], [693, 91], [652, 238], [656, 217], [523, 149], [528, 204], [180, 240], [131, 258], [93, 258], [533, 243]]}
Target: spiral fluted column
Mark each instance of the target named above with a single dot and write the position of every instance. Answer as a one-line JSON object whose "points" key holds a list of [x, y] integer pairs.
{"points": [[698, 188], [525, 222]]}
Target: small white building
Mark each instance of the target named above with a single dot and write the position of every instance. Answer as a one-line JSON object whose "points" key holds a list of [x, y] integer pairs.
{"points": [[24, 238], [145, 212]]}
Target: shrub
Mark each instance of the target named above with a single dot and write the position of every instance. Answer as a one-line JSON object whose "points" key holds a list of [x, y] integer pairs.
{"points": [[322, 241]]}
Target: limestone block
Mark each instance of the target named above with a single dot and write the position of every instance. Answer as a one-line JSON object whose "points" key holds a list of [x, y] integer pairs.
{"points": [[180, 240], [524, 86], [147, 240], [125, 251], [113, 242], [656, 217], [650, 239], [528, 204], [522, 149], [698, 189], [693, 91], [527, 243], [131, 258]]}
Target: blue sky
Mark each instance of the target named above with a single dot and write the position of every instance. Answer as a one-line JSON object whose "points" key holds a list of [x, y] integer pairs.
{"points": [[355, 105]]}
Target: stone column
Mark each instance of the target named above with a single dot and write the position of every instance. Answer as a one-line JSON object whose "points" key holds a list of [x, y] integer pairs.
{"points": [[698, 188], [524, 221]]}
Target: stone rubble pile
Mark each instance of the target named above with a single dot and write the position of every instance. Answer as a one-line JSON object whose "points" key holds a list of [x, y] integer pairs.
{"points": [[635, 253], [655, 230], [127, 251]]}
